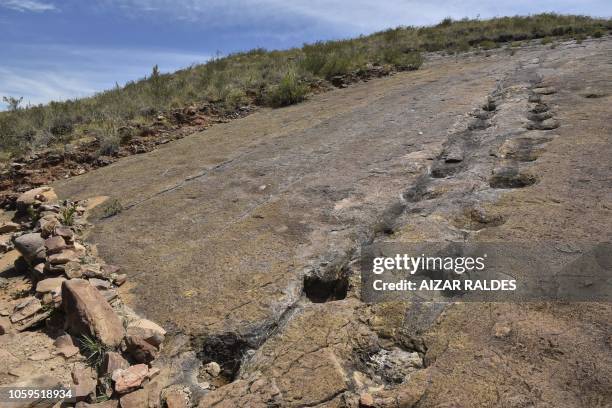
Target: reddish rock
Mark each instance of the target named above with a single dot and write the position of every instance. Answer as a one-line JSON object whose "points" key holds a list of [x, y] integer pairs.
{"points": [[176, 397], [148, 330], [55, 244], [49, 285], [65, 256], [136, 399], [140, 350], [65, 233], [113, 361], [65, 346], [84, 381], [87, 312], [130, 378]]}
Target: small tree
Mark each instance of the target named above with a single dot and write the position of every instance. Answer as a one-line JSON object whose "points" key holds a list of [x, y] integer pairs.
{"points": [[158, 87], [12, 102]]}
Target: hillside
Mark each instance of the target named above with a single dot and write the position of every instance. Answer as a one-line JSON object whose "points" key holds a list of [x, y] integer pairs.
{"points": [[232, 84], [218, 259]]}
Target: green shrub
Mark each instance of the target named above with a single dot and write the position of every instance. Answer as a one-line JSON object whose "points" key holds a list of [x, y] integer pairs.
{"points": [[111, 208], [547, 40], [288, 92], [68, 215], [402, 60], [488, 44], [93, 349]]}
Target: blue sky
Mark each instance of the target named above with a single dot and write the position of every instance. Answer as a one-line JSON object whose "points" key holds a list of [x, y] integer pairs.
{"points": [[58, 49]]}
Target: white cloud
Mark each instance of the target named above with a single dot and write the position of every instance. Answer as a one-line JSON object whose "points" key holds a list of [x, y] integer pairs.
{"points": [[349, 16], [27, 5], [44, 73]]}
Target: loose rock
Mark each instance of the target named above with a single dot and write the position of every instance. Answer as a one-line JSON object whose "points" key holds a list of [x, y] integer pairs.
{"points": [[113, 361], [31, 246], [65, 256], [65, 346], [130, 378], [136, 399], [140, 350], [55, 244], [50, 285], [35, 197], [175, 397], [87, 312], [84, 380], [26, 308], [8, 227], [73, 270], [213, 369]]}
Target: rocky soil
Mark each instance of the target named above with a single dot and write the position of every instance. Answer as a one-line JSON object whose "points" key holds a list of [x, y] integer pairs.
{"points": [[242, 244]]}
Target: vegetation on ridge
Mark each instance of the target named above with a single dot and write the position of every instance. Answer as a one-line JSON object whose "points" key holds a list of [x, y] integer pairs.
{"points": [[265, 78]]}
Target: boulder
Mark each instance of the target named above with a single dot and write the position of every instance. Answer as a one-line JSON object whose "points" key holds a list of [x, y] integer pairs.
{"points": [[9, 226], [84, 383], [136, 399], [73, 270], [65, 346], [66, 233], [130, 379], [113, 361], [141, 350], [49, 285], [28, 313], [65, 256], [148, 330], [35, 197], [100, 284], [87, 312], [31, 246], [55, 244], [26, 308]]}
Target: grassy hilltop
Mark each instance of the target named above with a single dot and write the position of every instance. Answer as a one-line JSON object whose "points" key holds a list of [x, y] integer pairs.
{"points": [[266, 78]]}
